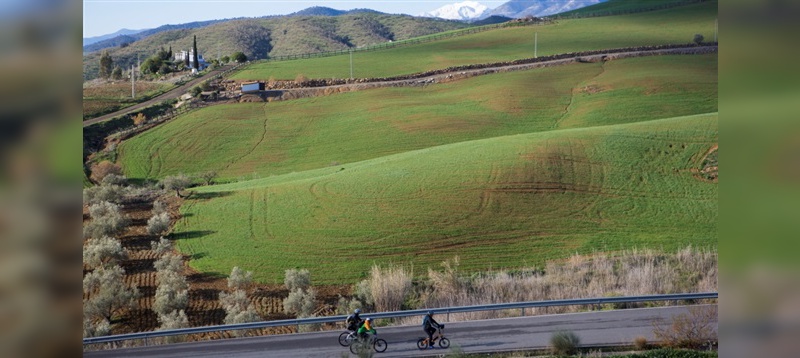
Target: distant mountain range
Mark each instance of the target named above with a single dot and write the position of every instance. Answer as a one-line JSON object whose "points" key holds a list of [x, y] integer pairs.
{"points": [[473, 11], [469, 11], [522, 8], [465, 11], [91, 40]]}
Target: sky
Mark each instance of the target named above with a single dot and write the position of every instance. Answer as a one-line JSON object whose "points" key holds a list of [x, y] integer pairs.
{"points": [[102, 17]]}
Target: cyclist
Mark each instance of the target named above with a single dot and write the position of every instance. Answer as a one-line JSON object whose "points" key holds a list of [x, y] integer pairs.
{"points": [[353, 321], [366, 328], [429, 325]]}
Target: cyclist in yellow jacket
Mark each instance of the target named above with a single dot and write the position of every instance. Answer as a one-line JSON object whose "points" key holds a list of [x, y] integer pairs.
{"points": [[366, 328]]}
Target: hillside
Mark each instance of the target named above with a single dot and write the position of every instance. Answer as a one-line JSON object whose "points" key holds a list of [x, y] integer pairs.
{"points": [[514, 158], [498, 203], [669, 26], [280, 137], [276, 36]]}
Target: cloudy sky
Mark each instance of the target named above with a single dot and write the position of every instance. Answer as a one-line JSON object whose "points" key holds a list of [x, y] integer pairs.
{"points": [[101, 17]]}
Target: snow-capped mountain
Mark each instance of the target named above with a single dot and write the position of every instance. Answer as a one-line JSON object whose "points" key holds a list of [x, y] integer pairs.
{"points": [[467, 10], [522, 8]]}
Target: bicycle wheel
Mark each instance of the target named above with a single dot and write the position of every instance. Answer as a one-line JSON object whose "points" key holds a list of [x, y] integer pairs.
{"points": [[356, 347], [422, 343], [444, 342], [345, 339], [380, 345]]}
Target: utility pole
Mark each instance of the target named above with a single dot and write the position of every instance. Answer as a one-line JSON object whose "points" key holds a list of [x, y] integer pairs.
{"points": [[535, 45], [716, 27], [133, 82], [351, 63], [138, 63]]}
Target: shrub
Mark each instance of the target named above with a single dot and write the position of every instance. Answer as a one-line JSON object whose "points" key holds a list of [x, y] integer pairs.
{"points": [[158, 224], [698, 38], [103, 251], [96, 328], [389, 288], [139, 119], [688, 330], [239, 57], [111, 193], [105, 167], [159, 207], [300, 79], [114, 179], [564, 343], [640, 343], [297, 279], [300, 302]]}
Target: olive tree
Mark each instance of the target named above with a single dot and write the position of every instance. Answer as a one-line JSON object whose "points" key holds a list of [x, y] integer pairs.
{"points": [[108, 293], [103, 251]]}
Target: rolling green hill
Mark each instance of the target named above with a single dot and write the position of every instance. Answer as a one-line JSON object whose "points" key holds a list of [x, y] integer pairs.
{"points": [[242, 141], [502, 202], [670, 26]]}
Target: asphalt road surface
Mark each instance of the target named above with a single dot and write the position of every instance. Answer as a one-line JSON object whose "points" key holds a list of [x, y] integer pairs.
{"points": [[508, 334]]}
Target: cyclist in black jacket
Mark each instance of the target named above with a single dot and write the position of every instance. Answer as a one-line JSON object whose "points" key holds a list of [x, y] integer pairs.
{"points": [[430, 325], [354, 321]]}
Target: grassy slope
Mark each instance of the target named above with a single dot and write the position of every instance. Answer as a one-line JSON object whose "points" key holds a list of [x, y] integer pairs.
{"points": [[246, 140], [498, 203], [677, 25]]}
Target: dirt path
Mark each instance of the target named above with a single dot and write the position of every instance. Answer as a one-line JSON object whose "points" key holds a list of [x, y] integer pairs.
{"points": [[444, 77], [174, 93]]}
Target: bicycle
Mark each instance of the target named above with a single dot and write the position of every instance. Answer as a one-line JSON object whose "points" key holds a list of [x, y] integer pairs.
{"points": [[360, 345], [422, 343], [347, 338]]}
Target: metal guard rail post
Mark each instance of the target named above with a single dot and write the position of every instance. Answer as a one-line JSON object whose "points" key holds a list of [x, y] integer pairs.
{"points": [[397, 314]]}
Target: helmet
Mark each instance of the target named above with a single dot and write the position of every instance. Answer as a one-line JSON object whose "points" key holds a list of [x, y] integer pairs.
{"points": [[357, 311], [369, 319], [430, 313]]}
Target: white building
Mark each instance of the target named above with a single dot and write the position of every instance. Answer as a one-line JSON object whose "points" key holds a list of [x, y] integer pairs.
{"points": [[181, 56]]}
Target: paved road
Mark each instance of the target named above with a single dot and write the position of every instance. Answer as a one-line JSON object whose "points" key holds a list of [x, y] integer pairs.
{"points": [[174, 93], [593, 328]]}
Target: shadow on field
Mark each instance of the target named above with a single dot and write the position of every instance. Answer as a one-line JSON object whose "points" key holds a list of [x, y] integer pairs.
{"points": [[212, 195], [191, 234], [202, 277]]}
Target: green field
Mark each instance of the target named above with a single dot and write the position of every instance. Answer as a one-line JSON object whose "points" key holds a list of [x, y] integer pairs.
{"points": [[505, 170], [503, 202], [670, 26], [252, 140]]}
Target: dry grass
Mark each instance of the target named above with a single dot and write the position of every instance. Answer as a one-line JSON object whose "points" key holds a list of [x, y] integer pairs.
{"points": [[635, 272]]}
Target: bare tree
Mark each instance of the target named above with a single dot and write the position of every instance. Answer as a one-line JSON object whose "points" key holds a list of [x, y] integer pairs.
{"points": [[208, 176]]}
